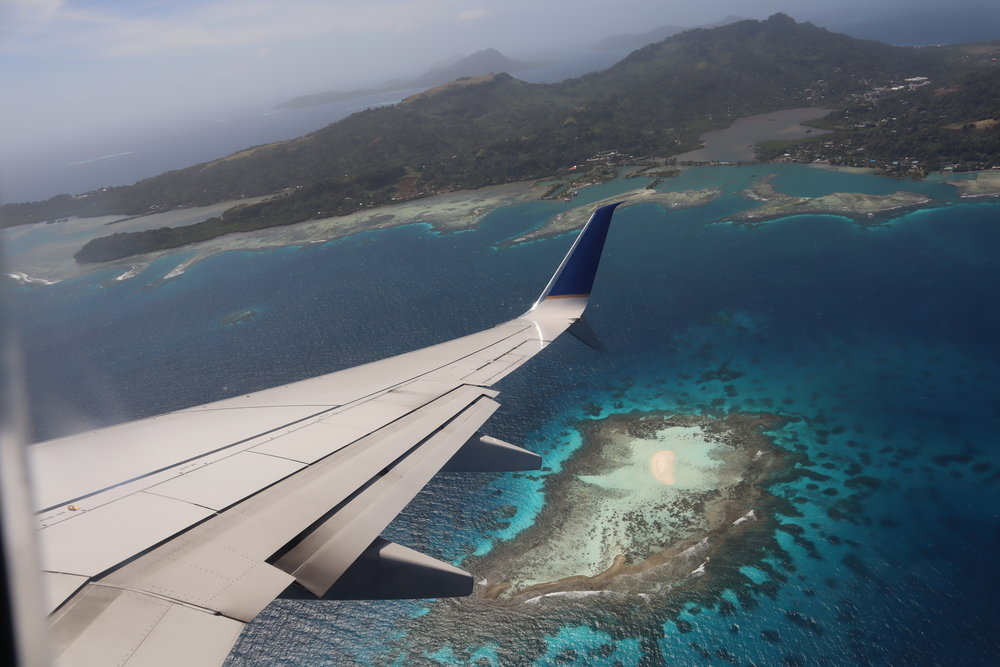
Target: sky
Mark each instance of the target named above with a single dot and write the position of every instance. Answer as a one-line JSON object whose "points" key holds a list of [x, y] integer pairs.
{"points": [[59, 54], [74, 68]]}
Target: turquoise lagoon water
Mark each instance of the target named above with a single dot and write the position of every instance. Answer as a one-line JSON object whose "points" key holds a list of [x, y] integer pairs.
{"points": [[879, 344]]}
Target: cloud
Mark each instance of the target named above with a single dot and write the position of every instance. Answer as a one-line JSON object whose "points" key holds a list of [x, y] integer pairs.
{"points": [[25, 16], [54, 27], [471, 15]]}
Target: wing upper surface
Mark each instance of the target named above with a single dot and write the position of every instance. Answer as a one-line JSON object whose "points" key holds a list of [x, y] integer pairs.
{"points": [[65, 472]]}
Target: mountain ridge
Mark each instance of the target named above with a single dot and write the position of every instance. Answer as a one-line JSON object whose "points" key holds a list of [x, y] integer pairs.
{"points": [[658, 34], [482, 62]]}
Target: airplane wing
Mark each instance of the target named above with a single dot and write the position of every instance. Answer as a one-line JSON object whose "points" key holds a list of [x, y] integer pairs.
{"points": [[160, 538]]}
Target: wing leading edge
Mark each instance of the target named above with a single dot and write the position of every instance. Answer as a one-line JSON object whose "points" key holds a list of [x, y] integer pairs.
{"points": [[202, 516]]}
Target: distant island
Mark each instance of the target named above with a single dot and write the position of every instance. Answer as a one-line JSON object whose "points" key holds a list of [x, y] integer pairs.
{"points": [[905, 111], [480, 63]]}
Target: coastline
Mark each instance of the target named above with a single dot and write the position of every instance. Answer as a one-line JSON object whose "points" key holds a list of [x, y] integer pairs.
{"points": [[53, 261]]}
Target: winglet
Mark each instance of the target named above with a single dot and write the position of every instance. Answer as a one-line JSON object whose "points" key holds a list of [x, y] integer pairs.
{"points": [[575, 276]]}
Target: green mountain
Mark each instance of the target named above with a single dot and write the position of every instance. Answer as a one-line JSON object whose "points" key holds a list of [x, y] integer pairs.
{"points": [[496, 129]]}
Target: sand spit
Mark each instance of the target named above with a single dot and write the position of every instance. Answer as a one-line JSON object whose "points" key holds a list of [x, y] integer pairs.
{"points": [[25, 279], [663, 465], [860, 206]]}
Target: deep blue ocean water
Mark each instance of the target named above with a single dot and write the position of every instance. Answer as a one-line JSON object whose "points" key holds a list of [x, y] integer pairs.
{"points": [[880, 343]]}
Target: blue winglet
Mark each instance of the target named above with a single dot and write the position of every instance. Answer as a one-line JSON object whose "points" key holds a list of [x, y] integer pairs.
{"points": [[575, 276]]}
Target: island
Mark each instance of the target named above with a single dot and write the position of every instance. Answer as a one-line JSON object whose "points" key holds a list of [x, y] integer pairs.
{"points": [[859, 206], [652, 510], [646, 502]]}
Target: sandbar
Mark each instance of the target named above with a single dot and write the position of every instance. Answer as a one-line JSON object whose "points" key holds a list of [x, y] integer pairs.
{"points": [[663, 465]]}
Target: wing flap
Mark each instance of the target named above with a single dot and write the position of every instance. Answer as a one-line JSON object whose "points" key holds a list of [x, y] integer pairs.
{"points": [[326, 553], [189, 637], [59, 586], [309, 445], [109, 626], [133, 523], [213, 578]]}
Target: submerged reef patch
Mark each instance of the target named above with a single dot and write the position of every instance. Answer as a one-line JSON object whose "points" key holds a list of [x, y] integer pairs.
{"points": [[238, 317]]}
